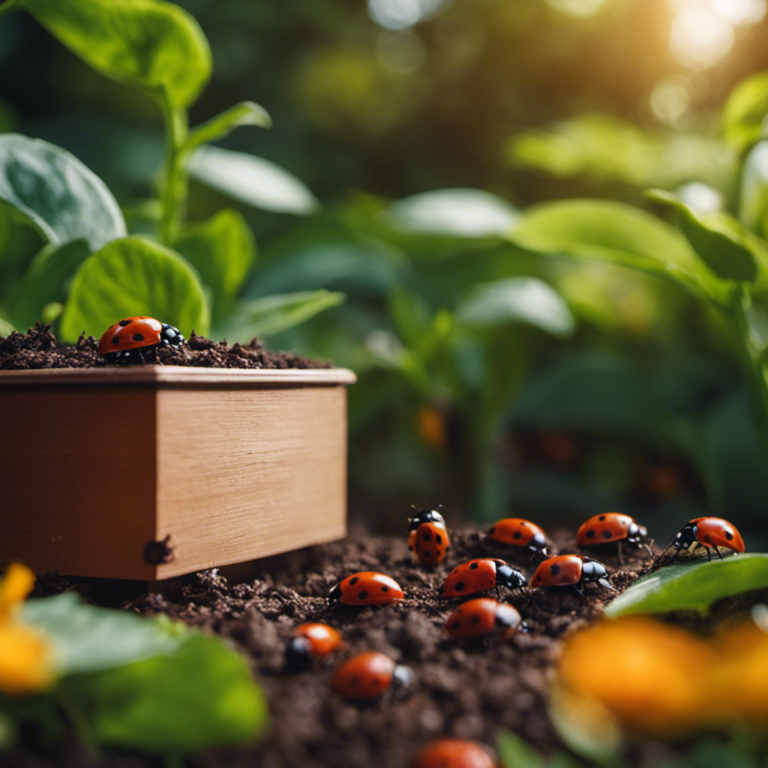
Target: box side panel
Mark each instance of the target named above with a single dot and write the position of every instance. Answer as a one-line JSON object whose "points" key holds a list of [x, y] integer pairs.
{"points": [[77, 480], [247, 474]]}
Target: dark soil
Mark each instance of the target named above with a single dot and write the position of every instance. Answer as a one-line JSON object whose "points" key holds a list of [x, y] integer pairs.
{"points": [[39, 348], [463, 689]]}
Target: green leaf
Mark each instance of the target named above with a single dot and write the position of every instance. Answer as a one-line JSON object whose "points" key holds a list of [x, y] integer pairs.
{"points": [[754, 190], [47, 281], [272, 314], [453, 212], [692, 586], [516, 753], [202, 696], [6, 329], [618, 234], [54, 192], [516, 299], [149, 44], [222, 250], [244, 113], [87, 639], [131, 277], [745, 112], [728, 249], [252, 180]]}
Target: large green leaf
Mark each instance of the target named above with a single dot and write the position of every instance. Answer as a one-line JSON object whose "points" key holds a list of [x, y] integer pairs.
{"points": [[150, 44], [6, 329], [743, 119], [132, 277], [86, 639], [56, 193], [753, 210], [202, 696], [618, 234], [692, 586], [252, 180], [272, 314], [728, 249], [47, 281], [222, 250], [516, 300], [245, 113]]}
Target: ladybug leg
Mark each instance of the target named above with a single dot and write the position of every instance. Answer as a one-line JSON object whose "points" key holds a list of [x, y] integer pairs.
{"points": [[621, 554], [578, 589], [718, 553], [498, 592]]}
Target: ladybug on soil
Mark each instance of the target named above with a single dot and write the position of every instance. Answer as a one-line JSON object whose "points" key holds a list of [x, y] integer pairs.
{"points": [[708, 533], [137, 339], [453, 753], [481, 617], [479, 575], [612, 527], [368, 675], [571, 570], [428, 537], [311, 641], [516, 532], [366, 588]]}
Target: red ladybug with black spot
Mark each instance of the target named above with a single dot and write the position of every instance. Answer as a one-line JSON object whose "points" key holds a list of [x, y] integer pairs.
{"points": [[366, 588], [516, 532], [428, 537], [368, 675], [137, 339], [482, 616], [479, 575], [571, 571], [454, 753], [310, 641], [708, 533], [612, 527]]}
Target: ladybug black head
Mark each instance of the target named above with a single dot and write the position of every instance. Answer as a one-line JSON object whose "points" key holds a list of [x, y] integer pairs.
{"points": [[334, 595], [298, 654], [171, 335], [538, 542], [425, 516], [507, 576]]}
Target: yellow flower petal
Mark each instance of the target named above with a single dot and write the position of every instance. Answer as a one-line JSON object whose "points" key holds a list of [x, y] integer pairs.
{"points": [[17, 584], [25, 660]]}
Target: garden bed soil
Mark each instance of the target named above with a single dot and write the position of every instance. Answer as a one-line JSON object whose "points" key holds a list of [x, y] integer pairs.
{"points": [[468, 690], [39, 349]]}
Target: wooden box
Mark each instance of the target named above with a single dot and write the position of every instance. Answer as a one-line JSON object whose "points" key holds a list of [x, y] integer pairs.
{"points": [[233, 465]]}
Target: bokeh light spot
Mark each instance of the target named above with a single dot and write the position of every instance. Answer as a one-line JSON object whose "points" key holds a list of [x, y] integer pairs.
{"points": [[671, 99], [402, 14], [699, 37], [740, 11], [401, 51], [578, 7]]}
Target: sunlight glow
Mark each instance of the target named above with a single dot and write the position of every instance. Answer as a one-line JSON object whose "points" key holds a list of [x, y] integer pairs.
{"points": [[671, 99], [699, 37], [578, 7], [403, 14], [740, 11]]}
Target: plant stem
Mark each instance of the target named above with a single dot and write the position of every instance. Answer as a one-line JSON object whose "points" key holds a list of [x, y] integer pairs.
{"points": [[174, 186], [78, 721]]}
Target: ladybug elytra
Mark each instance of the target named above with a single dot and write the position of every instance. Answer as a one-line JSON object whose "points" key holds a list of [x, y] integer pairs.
{"points": [[571, 570], [517, 532], [366, 588], [479, 575], [369, 674], [428, 537], [708, 533], [136, 339], [453, 753], [481, 617]]}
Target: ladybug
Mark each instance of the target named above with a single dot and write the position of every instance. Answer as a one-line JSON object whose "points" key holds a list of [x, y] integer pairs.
{"points": [[570, 570], [453, 753], [480, 617], [610, 527], [311, 640], [428, 537], [368, 675], [136, 339], [709, 533], [519, 533], [479, 575], [366, 588]]}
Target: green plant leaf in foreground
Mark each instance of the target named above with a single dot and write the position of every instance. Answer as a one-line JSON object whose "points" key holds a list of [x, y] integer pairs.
{"points": [[743, 120], [201, 696], [54, 192], [150, 44], [132, 277], [89, 639], [244, 113], [692, 586]]}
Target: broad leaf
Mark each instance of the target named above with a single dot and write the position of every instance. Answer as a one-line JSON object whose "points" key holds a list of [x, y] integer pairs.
{"points": [[245, 113], [252, 180], [516, 753], [453, 212], [617, 234], [202, 696], [753, 210], [131, 277], [6, 329], [692, 586], [56, 193], [516, 299], [722, 243], [745, 112], [222, 250], [151, 44], [88, 639], [47, 281], [272, 314]]}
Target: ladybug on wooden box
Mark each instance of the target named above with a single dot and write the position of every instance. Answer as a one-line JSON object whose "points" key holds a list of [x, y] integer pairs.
{"points": [[366, 588], [428, 537], [137, 339], [516, 532], [368, 675], [481, 617], [479, 575], [708, 533], [611, 527], [571, 571]]}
